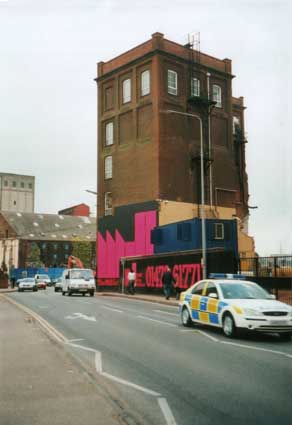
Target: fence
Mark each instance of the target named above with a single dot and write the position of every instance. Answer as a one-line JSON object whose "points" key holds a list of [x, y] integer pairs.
{"points": [[273, 273], [53, 272]]}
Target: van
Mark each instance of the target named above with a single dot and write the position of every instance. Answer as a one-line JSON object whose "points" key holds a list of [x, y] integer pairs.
{"points": [[78, 281]]}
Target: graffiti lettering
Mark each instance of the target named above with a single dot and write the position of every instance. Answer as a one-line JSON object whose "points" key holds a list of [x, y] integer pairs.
{"points": [[184, 274]]}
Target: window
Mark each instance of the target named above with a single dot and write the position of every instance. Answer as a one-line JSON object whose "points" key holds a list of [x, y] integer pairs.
{"points": [[30, 185], [127, 90], [198, 289], [157, 236], [6, 183], [211, 289], [66, 246], [44, 245], [145, 83], [108, 206], [236, 124], [14, 202], [55, 245], [22, 185], [14, 184], [195, 87], [219, 230], [172, 82], [109, 133], [184, 232], [108, 167], [217, 97]]}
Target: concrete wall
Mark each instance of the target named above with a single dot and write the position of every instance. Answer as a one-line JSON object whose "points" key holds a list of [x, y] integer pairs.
{"points": [[17, 193], [9, 249]]}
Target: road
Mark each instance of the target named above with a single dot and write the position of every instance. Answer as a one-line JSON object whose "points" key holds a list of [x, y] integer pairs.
{"points": [[169, 374]]}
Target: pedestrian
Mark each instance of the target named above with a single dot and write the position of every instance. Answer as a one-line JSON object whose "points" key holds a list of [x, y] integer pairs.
{"points": [[177, 290], [167, 280], [131, 281]]}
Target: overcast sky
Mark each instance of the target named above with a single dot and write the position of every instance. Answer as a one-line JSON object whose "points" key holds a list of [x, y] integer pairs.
{"points": [[48, 55]]}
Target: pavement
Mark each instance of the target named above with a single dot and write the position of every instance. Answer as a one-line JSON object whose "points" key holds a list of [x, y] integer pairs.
{"points": [[41, 383]]}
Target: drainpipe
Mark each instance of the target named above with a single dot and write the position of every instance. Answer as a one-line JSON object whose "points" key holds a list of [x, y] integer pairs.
{"points": [[209, 142]]}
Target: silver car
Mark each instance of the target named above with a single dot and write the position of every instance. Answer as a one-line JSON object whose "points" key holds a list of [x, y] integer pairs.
{"points": [[27, 284]]}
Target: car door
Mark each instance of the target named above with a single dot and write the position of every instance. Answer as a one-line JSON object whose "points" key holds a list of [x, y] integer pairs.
{"points": [[196, 301], [212, 304]]}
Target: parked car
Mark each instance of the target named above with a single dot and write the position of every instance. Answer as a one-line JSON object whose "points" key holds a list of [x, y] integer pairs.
{"points": [[58, 285], [42, 280], [235, 305], [27, 284]]}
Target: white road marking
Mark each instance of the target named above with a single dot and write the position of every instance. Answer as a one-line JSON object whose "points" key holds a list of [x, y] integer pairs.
{"points": [[98, 362], [81, 316], [130, 384], [250, 347], [165, 312], [157, 321], [92, 350], [112, 309], [98, 367], [75, 340], [166, 411], [207, 335]]}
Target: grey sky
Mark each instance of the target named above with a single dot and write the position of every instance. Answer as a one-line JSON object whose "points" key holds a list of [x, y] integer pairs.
{"points": [[48, 55]]}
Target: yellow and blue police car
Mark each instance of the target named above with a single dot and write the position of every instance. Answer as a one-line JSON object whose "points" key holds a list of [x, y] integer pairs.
{"points": [[234, 304]]}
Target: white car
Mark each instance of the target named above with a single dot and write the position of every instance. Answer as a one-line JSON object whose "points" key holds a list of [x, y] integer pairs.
{"points": [[78, 281], [235, 305], [58, 285], [27, 284]]}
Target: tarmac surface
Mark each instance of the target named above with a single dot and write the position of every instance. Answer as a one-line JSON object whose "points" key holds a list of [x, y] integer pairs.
{"points": [[41, 383]]}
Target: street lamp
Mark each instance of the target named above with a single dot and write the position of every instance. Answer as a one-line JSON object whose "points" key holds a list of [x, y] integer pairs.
{"points": [[203, 220]]}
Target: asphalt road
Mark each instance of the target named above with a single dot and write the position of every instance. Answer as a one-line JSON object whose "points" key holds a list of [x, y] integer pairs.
{"points": [[169, 374]]}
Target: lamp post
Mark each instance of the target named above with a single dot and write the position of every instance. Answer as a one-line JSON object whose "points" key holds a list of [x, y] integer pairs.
{"points": [[203, 220], [96, 243]]}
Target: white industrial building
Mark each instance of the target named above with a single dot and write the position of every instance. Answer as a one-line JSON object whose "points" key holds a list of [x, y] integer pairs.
{"points": [[17, 193]]}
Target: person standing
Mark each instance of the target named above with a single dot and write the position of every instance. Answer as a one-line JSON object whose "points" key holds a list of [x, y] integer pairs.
{"points": [[131, 281], [167, 280]]}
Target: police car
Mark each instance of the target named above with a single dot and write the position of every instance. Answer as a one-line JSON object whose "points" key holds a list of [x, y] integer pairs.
{"points": [[233, 304]]}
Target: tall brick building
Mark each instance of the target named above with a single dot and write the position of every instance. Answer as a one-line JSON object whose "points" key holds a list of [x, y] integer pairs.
{"points": [[149, 140], [147, 153]]}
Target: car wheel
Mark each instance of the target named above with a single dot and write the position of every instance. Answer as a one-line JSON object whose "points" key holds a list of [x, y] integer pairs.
{"points": [[229, 328], [286, 336], [91, 293], [185, 317], [56, 290], [69, 293], [19, 290], [83, 294], [63, 293]]}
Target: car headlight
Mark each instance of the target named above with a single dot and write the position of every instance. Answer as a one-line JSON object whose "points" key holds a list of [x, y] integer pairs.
{"points": [[252, 312]]}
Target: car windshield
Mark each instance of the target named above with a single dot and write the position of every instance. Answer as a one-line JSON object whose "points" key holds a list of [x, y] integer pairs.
{"points": [[81, 274], [43, 276], [239, 290], [28, 280]]}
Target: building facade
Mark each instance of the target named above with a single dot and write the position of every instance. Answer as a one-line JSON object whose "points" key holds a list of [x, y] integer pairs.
{"points": [[80, 210], [17, 192], [54, 236], [158, 104], [147, 131]]}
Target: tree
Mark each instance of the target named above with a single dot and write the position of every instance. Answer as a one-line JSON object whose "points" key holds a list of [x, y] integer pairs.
{"points": [[83, 250], [34, 255]]}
